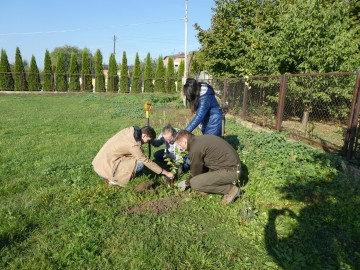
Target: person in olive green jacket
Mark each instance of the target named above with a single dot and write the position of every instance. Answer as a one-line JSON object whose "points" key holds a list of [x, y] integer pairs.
{"points": [[122, 156], [214, 165]]}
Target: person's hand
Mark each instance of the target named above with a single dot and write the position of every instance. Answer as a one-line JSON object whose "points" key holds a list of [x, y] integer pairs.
{"points": [[169, 174], [184, 184]]}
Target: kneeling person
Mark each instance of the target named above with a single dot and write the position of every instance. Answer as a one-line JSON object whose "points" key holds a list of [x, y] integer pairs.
{"points": [[171, 149], [122, 156], [215, 165]]}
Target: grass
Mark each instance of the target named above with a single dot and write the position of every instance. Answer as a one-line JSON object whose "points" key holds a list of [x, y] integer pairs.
{"points": [[299, 210]]}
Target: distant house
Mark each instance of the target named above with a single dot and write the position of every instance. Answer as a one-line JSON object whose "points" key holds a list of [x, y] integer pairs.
{"points": [[105, 70], [202, 76], [177, 59]]}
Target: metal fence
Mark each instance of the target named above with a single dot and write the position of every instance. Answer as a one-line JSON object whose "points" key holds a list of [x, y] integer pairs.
{"points": [[322, 109]]}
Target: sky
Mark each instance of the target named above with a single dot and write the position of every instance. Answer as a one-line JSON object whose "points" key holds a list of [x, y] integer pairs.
{"points": [[139, 26]]}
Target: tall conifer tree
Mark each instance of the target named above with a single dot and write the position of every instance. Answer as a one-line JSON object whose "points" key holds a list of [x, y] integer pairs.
{"points": [[170, 76], [113, 77], [160, 76], [148, 75], [124, 75], [61, 83], [34, 82], [136, 76], [180, 75], [99, 72], [20, 82], [48, 77], [86, 72], [6, 78], [74, 75]]}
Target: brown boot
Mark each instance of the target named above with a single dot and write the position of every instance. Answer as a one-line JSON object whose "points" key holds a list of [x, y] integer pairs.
{"points": [[234, 193]]}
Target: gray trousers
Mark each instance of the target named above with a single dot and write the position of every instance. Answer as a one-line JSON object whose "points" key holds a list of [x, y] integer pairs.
{"points": [[217, 182]]}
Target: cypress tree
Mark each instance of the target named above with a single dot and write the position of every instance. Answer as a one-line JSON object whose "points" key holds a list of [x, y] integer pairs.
{"points": [[86, 72], [124, 76], [60, 75], [74, 84], [170, 76], [113, 77], [34, 82], [48, 77], [136, 76], [99, 72], [160, 76], [148, 75], [6, 78], [20, 82], [180, 75]]}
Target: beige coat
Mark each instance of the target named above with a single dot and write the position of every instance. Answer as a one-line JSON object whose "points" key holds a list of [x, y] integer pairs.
{"points": [[116, 160]]}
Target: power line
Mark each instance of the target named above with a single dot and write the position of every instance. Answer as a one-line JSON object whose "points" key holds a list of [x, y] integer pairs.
{"points": [[79, 29]]}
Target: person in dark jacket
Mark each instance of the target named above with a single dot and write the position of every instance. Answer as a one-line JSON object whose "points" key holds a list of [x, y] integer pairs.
{"points": [[214, 167], [171, 149], [203, 104]]}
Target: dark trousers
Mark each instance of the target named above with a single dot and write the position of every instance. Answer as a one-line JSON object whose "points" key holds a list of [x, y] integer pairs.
{"points": [[159, 156], [217, 182]]}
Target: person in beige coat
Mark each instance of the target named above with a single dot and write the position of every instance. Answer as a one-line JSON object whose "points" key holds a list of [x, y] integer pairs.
{"points": [[122, 156]]}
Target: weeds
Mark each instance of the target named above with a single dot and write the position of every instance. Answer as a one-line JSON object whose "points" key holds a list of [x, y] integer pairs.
{"points": [[298, 210]]}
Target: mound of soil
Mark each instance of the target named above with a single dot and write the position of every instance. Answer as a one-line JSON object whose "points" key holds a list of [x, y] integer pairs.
{"points": [[158, 206], [143, 186]]}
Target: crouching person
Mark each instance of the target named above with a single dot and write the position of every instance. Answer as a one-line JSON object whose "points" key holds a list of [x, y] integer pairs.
{"points": [[122, 156], [215, 165], [171, 150]]}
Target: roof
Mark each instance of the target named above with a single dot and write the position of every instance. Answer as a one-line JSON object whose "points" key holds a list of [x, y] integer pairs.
{"points": [[179, 55]]}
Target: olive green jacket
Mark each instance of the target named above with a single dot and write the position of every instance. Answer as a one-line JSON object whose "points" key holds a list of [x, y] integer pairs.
{"points": [[211, 153]]}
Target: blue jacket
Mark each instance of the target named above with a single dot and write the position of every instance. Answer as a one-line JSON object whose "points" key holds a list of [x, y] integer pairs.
{"points": [[208, 114]]}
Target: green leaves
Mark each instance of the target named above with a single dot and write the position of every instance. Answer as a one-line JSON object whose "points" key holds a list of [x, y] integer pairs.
{"points": [[113, 77], [99, 72], [48, 81], [86, 80], [160, 76], [60, 75], [272, 37], [6, 79], [175, 165], [298, 210], [136, 76], [170, 76], [124, 76], [19, 73], [148, 75]]}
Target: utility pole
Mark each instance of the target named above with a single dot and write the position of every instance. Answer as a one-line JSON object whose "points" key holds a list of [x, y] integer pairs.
{"points": [[114, 40], [186, 40]]}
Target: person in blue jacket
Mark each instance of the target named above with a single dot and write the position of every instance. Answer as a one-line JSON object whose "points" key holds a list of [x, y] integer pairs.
{"points": [[204, 105]]}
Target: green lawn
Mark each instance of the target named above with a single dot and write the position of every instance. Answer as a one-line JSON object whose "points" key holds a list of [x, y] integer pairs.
{"points": [[299, 209]]}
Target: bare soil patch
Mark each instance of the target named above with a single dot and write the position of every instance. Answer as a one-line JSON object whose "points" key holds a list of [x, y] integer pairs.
{"points": [[158, 206]]}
